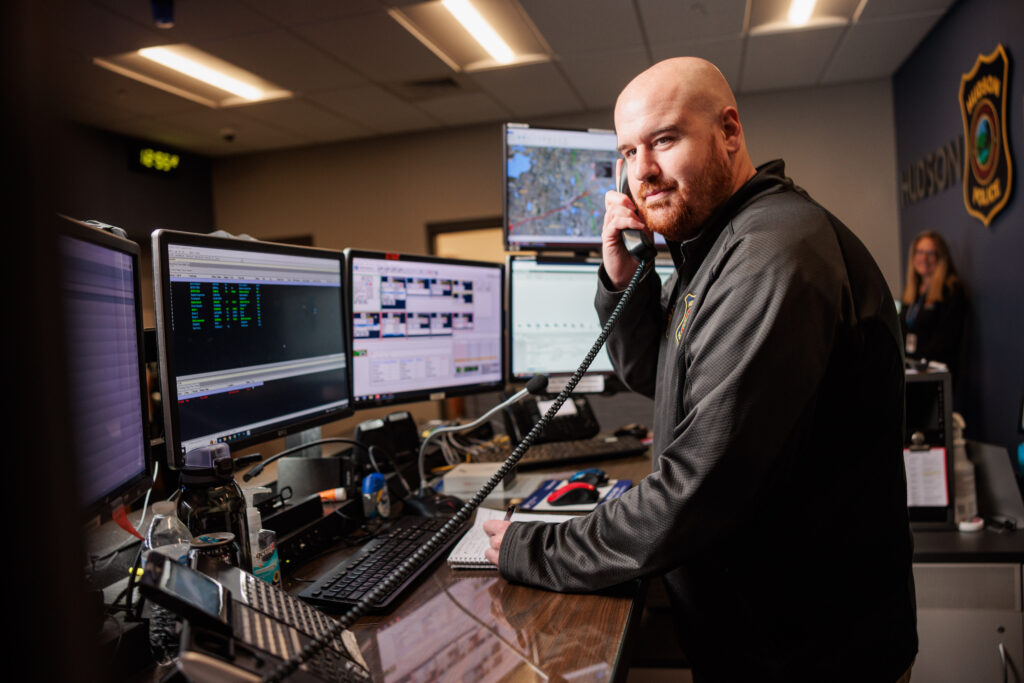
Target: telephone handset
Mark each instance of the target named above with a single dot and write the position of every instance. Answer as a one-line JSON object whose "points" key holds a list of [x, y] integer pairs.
{"points": [[239, 628], [638, 243], [575, 419]]}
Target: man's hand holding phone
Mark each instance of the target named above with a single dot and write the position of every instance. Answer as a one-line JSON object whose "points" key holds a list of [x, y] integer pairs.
{"points": [[619, 214]]}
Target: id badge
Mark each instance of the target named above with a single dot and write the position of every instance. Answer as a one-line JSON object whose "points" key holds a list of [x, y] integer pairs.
{"points": [[911, 343]]}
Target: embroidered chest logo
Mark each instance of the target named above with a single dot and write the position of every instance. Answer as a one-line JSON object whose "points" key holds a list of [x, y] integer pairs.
{"points": [[988, 172], [687, 308]]}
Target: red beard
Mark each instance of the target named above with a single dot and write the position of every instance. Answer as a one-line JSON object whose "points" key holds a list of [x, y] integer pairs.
{"points": [[677, 218]]}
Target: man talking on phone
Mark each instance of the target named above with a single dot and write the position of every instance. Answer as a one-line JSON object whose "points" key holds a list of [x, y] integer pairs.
{"points": [[776, 512]]}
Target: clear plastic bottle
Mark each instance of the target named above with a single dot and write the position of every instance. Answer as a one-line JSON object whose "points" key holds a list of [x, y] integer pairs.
{"points": [[167, 534], [964, 492]]}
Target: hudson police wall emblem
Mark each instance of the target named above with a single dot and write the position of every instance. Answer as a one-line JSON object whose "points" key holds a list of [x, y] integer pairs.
{"points": [[988, 170]]}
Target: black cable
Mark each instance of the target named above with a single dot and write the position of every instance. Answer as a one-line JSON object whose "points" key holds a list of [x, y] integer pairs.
{"points": [[295, 449], [427, 549]]}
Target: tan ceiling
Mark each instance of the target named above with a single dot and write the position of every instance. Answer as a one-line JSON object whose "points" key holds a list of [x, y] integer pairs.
{"points": [[356, 73]]}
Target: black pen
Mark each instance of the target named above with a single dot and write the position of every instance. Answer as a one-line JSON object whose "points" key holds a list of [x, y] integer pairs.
{"points": [[508, 513]]}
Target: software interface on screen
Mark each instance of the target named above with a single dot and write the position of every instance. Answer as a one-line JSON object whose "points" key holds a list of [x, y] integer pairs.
{"points": [[255, 340], [423, 327], [104, 367], [555, 182], [553, 323]]}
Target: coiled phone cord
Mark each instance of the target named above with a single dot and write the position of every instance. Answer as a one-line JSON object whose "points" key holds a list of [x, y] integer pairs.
{"points": [[427, 549]]}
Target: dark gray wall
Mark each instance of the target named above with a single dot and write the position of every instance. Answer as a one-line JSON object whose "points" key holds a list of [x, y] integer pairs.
{"points": [[96, 181], [989, 259]]}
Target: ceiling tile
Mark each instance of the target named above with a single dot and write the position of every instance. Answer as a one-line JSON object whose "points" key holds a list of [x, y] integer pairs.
{"points": [[375, 108], [579, 26], [671, 20], [881, 9], [725, 54], [600, 77], [464, 109], [530, 91], [285, 60], [308, 11], [790, 59], [94, 31], [194, 20], [204, 127], [876, 49], [377, 47], [306, 120]]}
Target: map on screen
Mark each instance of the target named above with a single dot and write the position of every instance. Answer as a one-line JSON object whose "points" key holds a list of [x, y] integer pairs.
{"points": [[555, 182]]}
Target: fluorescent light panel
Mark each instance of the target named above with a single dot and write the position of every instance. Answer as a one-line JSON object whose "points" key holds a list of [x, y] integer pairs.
{"points": [[481, 31], [457, 32], [196, 75], [800, 12], [784, 16]]}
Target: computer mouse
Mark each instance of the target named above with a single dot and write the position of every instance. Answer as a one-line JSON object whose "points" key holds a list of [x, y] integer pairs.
{"points": [[592, 476], [638, 431], [574, 493]]}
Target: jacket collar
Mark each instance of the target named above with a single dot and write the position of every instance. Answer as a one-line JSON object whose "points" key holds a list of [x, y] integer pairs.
{"points": [[769, 176]]}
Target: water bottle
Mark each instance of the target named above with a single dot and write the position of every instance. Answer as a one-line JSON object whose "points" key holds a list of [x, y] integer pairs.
{"points": [[209, 499], [167, 534]]}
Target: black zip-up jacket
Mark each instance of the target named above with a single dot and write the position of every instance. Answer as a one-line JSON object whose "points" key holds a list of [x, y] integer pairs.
{"points": [[777, 507]]}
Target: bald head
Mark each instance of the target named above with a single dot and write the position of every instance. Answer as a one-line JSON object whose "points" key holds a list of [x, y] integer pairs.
{"points": [[679, 131], [688, 82]]}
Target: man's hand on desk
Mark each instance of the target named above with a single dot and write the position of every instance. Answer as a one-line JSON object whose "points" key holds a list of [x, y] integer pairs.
{"points": [[495, 530]]}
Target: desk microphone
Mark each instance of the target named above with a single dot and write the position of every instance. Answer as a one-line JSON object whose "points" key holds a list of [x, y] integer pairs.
{"points": [[536, 386]]}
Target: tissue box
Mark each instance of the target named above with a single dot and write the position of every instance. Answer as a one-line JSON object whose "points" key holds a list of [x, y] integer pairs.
{"points": [[465, 478]]}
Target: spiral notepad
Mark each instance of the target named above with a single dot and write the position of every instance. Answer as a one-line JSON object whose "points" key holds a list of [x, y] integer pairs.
{"points": [[468, 553]]}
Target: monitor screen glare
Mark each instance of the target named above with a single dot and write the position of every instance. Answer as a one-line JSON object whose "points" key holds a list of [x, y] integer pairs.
{"points": [[555, 182], [424, 328], [253, 336]]}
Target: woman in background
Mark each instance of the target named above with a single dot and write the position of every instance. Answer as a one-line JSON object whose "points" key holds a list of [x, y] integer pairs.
{"points": [[934, 310]]}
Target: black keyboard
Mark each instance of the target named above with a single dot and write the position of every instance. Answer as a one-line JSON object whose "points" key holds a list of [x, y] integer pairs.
{"points": [[348, 581], [558, 452]]}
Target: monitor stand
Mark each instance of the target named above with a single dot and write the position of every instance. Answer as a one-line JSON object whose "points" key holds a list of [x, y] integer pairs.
{"points": [[305, 436]]}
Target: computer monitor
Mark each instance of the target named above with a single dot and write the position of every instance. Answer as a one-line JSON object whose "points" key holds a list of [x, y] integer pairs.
{"points": [[424, 327], [106, 370], [251, 338], [552, 321], [554, 186]]}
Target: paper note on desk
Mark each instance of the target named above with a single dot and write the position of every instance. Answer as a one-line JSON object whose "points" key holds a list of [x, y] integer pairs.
{"points": [[468, 553], [926, 477]]}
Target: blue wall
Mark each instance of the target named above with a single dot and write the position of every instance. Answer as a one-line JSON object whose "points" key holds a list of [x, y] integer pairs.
{"points": [[990, 259]]}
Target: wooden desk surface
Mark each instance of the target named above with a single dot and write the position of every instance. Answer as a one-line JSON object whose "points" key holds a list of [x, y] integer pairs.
{"points": [[475, 625]]}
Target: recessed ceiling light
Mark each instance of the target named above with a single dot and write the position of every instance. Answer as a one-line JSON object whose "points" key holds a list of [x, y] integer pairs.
{"points": [[481, 31], [782, 16], [196, 75], [477, 35], [800, 12]]}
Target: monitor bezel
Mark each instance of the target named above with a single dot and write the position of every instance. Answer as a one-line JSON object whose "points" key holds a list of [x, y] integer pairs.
{"points": [[162, 239], [581, 249], [135, 487], [437, 393]]}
